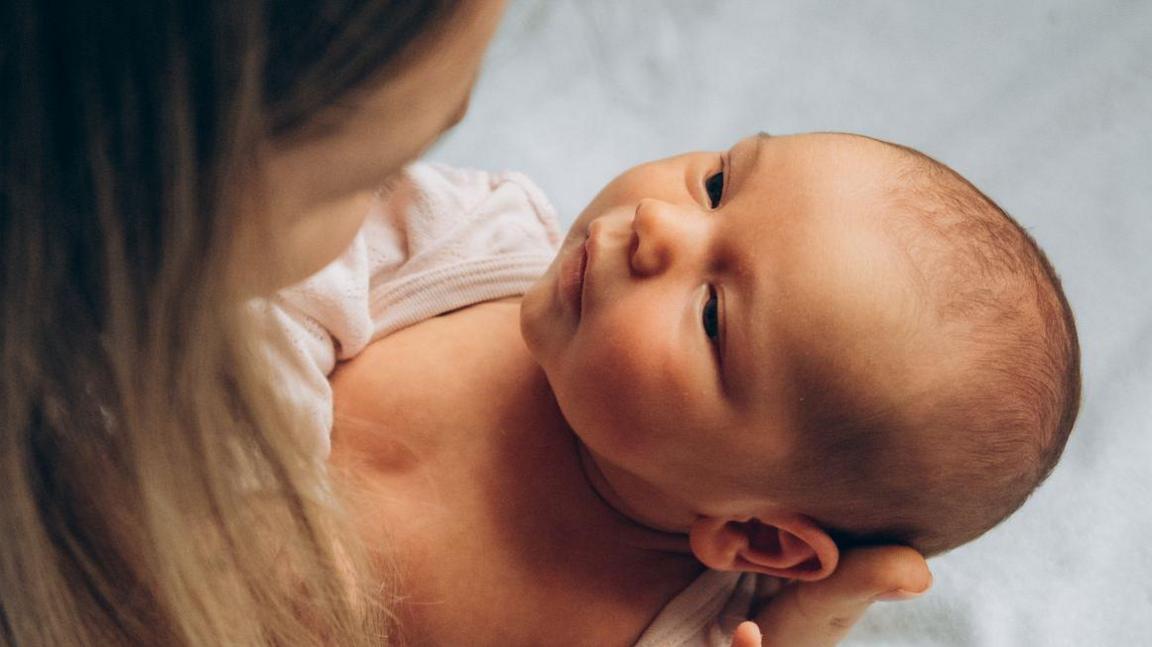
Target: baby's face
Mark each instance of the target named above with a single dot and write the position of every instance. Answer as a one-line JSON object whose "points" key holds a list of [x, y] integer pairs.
{"points": [[687, 296]]}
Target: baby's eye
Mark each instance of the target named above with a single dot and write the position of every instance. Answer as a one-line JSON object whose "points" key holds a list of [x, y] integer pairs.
{"points": [[711, 316], [714, 187]]}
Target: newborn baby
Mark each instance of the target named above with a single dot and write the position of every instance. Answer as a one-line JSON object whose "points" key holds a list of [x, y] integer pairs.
{"points": [[744, 361], [832, 336]]}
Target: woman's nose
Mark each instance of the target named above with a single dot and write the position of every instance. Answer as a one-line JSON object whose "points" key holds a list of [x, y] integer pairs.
{"points": [[664, 236]]}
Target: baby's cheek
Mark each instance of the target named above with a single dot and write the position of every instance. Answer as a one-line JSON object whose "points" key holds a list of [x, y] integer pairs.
{"points": [[623, 353], [641, 380]]}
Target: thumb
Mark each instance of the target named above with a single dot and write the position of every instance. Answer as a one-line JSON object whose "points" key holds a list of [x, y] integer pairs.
{"points": [[821, 613]]}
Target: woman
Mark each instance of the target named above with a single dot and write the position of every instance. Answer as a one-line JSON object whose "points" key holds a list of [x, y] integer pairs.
{"points": [[161, 163]]}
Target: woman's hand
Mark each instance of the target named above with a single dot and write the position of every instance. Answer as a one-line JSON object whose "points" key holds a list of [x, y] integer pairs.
{"points": [[816, 614]]}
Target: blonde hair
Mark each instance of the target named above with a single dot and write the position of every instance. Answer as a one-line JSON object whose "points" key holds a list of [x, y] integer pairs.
{"points": [[154, 493]]}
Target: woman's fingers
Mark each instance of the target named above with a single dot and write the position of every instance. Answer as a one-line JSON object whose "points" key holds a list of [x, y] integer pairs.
{"points": [[815, 614]]}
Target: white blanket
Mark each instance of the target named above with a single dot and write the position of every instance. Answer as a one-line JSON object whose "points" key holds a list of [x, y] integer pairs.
{"points": [[1045, 106]]}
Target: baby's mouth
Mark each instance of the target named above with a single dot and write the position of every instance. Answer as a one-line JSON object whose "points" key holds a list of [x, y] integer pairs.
{"points": [[570, 277]]}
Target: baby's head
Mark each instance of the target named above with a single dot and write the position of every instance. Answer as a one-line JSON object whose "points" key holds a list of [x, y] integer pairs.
{"points": [[807, 342]]}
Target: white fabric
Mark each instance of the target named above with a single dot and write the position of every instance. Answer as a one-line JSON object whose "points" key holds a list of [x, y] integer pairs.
{"points": [[1044, 105], [705, 614], [437, 239]]}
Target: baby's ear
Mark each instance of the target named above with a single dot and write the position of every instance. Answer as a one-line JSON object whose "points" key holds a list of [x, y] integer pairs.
{"points": [[783, 545]]}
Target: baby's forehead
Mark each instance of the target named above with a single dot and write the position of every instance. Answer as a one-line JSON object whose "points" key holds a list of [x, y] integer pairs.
{"points": [[828, 181], [830, 170], [838, 147]]}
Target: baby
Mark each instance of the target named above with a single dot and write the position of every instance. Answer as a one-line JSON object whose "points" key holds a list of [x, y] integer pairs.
{"points": [[744, 361]]}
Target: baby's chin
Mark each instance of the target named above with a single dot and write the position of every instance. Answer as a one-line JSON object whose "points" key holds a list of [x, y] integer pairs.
{"points": [[538, 326]]}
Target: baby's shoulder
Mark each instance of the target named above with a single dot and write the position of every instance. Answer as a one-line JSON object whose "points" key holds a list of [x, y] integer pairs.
{"points": [[451, 367]]}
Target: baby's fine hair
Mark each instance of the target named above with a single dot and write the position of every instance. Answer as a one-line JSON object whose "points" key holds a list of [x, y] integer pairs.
{"points": [[949, 463]]}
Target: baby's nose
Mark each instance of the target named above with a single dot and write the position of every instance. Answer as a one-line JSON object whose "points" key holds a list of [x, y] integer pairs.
{"points": [[664, 236]]}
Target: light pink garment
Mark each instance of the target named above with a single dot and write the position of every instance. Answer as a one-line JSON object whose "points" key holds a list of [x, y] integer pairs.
{"points": [[437, 239]]}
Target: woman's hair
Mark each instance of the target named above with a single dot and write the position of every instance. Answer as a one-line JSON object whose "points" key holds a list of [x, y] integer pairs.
{"points": [[153, 491]]}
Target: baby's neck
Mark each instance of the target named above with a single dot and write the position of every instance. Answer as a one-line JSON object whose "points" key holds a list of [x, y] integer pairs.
{"points": [[667, 522], [585, 496], [646, 530]]}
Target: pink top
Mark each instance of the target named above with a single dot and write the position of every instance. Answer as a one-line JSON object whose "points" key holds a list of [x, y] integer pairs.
{"points": [[436, 239]]}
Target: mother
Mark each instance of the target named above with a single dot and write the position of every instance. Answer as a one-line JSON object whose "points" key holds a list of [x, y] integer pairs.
{"points": [[160, 164]]}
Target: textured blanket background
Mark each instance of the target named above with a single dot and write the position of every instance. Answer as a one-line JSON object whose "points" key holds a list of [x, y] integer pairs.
{"points": [[1047, 106]]}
